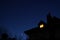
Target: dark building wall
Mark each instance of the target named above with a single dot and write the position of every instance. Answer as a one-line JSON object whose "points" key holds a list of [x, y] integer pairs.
{"points": [[53, 24]]}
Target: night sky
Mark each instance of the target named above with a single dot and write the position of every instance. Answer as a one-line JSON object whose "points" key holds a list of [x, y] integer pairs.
{"points": [[20, 15]]}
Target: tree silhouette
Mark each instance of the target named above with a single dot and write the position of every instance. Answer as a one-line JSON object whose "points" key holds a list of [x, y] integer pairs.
{"points": [[3, 33], [4, 36], [13, 38]]}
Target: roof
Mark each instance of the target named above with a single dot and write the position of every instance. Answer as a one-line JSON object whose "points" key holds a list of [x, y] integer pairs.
{"points": [[28, 32], [34, 30]]}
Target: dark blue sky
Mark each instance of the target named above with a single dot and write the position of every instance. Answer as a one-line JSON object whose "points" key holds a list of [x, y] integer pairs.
{"points": [[20, 15]]}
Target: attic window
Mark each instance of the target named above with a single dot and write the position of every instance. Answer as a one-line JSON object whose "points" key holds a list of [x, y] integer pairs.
{"points": [[41, 25]]}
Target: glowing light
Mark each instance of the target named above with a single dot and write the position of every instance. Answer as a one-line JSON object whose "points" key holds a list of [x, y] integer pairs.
{"points": [[42, 25]]}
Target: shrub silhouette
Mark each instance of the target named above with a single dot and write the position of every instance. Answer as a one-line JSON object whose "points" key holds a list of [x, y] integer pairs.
{"points": [[13, 38], [4, 36]]}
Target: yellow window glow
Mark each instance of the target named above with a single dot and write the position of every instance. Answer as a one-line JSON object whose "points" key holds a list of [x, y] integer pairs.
{"points": [[42, 25]]}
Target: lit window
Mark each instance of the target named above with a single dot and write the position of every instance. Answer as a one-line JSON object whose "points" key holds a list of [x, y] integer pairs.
{"points": [[42, 25]]}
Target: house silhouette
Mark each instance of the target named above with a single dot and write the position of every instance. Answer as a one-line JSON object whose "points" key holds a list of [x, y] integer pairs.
{"points": [[48, 32]]}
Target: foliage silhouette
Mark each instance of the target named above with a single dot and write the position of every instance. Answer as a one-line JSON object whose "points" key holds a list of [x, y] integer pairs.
{"points": [[4, 34]]}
